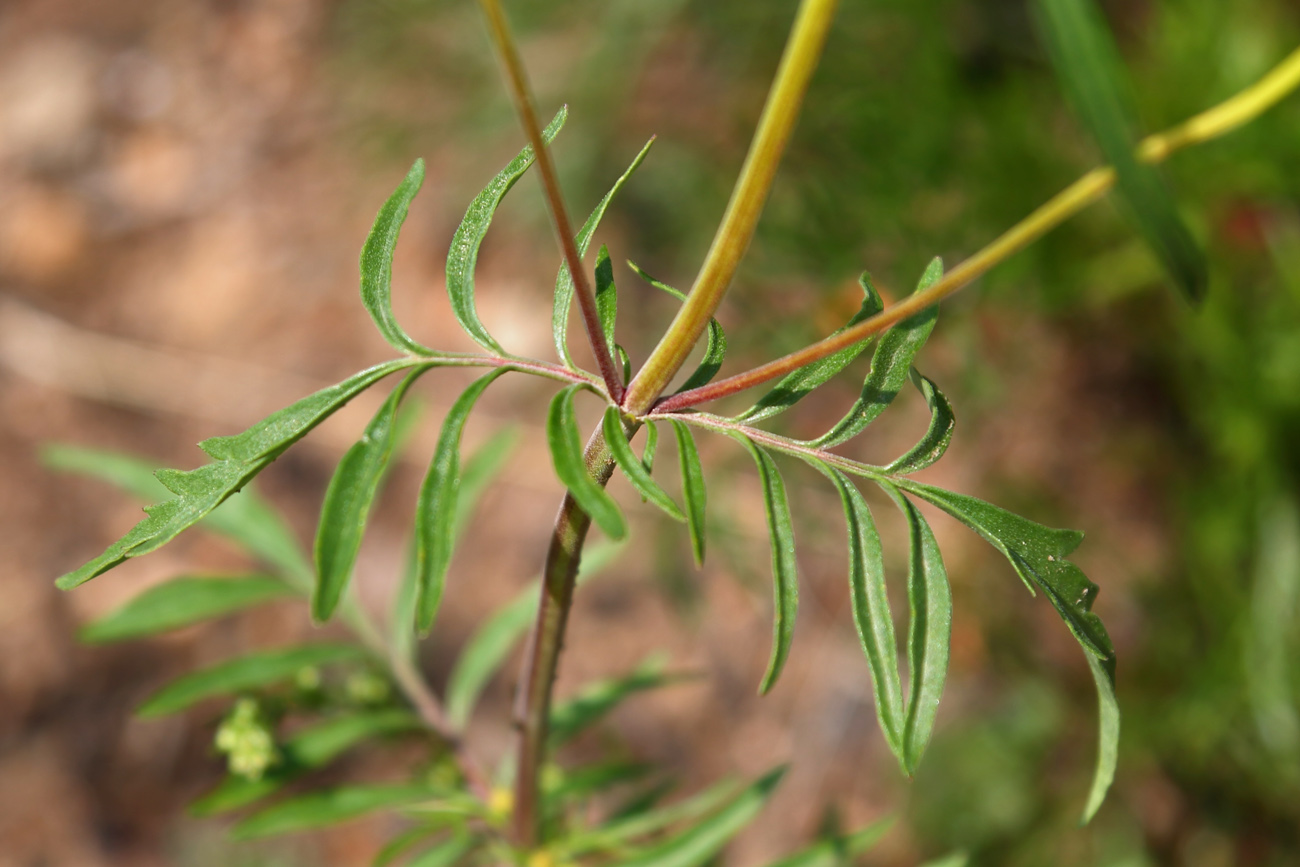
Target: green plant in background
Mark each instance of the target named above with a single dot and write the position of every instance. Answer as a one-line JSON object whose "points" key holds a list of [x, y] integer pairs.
{"points": [[353, 692]]}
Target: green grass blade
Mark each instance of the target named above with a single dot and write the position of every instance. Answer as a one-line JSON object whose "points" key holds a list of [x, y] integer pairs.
{"points": [[571, 469], [246, 672], [490, 645], [890, 364], [236, 460], [929, 634], [436, 509], [937, 436], [632, 467], [463, 255], [785, 587], [715, 343], [698, 844], [606, 296], [838, 851], [564, 280], [183, 601], [693, 490], [1092, 73], [322, 809], [869, 601], [377, 263], [570, 718], [348, 499], [796, 386]]}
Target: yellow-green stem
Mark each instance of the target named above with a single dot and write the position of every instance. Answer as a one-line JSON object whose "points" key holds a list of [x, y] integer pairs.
{"points": [[802, 51], [1210, 124]]}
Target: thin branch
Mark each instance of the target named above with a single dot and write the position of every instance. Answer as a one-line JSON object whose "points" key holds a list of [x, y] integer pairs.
{"points": [[1210, 124], [802, 51], [522, 95]]}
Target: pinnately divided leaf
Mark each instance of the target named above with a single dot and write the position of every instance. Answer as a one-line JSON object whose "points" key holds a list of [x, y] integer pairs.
{"points": [[564, 280], [571, 468], [797, 385], [934, 443], [693, 490], [347, 503], [889, 367], [785, 591], [463, 255], [870, 605], [632, 466], [377, 263], [715, 343], [246, 672], [236, 460], [183, 601], [435, 513]]}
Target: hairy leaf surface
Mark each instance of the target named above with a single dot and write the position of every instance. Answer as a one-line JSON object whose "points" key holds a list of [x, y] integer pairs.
{"points": [[937, 436], [571, 467], [377, 263], [183, 601], [715, 342], [463, 255], [606, 297], [693, 491], [632, 466]]}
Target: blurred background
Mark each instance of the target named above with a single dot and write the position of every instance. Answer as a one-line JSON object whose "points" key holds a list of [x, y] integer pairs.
{"points": [[184, 188]]}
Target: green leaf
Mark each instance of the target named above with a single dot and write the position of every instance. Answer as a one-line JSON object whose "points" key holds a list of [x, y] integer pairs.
{"points": [[837, 851], [444, 854], [632, 467], [246, 672], [322, 809], [651, 444], [570, 718], [248, 520], [183, 601], [785, 590], [1089, 65], [606, 296], [890, 364], [1103, 675], [619, 833], [870, 604], [929, 634], [463, 255], [377, 262], [934, 443], [348, 499], [591, 779], [435, 513], [237, 459], [693, 491], [571, 468], [491, 643], [698, 844], [402, 844], [564, 280], [797, 385], [312, 747], [715, 344]]}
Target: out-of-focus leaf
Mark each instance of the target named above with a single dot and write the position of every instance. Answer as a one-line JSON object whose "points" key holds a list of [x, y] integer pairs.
{"points": [[435, 513], [929, 633], [183, 601], [310, 748], [491, 643], [1270, 638], [620, 834], [785, 580], [715, 342], [321, 809], [632, 467], [837, 851], [952, 859], [377, 262], [246, 672], [564, 280], [701, 842], [346, 507], [571, 468], [401, 844], [1091, 72], [870, 604], [570, 718], [237, 459], [606, 296], [934, 443], [587, 780], [797, 385], [444, 854], [463, 255], [693, 491], [890, 364]]}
